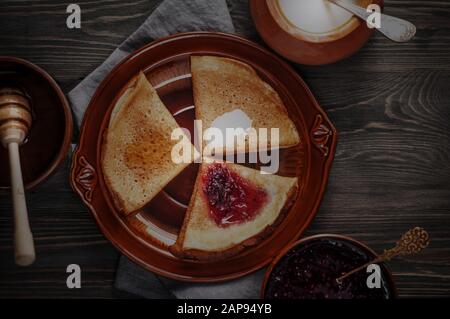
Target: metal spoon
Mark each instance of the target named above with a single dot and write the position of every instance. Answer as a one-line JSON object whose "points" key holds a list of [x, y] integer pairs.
{"points": [[411, 242], [393, 28]]}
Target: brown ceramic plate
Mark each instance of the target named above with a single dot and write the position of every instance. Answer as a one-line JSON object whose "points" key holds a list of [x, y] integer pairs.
{"points": [[337, 240], [51, 132], [308, 49], [145, 236]]}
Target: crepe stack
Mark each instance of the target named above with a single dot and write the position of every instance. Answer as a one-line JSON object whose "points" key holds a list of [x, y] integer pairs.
{"points": [[232, 206]]}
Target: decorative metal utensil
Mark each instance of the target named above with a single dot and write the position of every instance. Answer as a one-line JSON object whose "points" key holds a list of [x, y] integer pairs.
{"points": [[393, 28], [411, 242]]}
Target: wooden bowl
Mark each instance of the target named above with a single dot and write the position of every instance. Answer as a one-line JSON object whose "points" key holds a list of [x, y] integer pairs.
{"points": [[144, 237], [49, 139], [359, 246], [303, 48]]}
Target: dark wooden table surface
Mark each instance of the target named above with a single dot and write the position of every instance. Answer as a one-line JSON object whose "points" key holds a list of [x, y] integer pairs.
{"points": [[389, 102]]}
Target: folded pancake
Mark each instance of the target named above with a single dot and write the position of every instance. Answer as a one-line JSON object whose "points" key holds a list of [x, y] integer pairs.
{"points": [[232, 207], [137, 158], [229, 93]]}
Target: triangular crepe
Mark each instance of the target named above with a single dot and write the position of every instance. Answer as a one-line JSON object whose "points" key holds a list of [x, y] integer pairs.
{"points": [[232, 207], [137, 151], [229, 92]]}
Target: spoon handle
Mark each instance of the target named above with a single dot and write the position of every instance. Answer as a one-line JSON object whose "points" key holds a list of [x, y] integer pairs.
{"points": [[393, 28], [412, 242], [23, 238], [387, 255]]}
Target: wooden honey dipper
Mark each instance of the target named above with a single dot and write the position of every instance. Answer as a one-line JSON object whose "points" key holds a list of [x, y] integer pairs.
{"points": [[15, 123]]}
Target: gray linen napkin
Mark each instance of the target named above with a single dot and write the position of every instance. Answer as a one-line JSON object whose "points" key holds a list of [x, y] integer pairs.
{"points": [[170, 17]]}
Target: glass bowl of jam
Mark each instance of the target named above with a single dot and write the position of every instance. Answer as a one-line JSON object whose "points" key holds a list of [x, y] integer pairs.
{"points": [[308, 269]]}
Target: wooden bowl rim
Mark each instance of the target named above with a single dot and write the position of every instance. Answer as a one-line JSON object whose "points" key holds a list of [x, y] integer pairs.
{"points": [[292, 48], [64, 149]]}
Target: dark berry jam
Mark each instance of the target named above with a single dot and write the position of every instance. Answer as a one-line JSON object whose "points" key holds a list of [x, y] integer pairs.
{"points": [[309, 271], [231, 198]]}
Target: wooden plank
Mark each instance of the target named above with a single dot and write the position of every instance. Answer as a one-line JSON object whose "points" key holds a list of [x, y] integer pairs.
{"points": [[389, 103]]}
